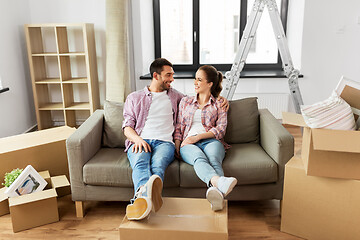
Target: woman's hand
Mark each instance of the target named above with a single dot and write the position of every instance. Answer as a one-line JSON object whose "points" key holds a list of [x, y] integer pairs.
{"points": [[177, 149], [190, 140]]}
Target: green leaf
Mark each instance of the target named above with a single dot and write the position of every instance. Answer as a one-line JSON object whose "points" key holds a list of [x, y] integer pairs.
{"points": [[11, 177]]}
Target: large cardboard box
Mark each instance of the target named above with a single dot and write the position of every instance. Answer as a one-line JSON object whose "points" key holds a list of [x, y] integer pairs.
{"points": [[328, 153], [44, 150], [39, 208], [4, 204], [179, 218], [319, 208]]}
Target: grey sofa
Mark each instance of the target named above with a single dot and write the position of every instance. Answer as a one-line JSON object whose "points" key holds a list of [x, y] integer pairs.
{"points": [[260, 148]]}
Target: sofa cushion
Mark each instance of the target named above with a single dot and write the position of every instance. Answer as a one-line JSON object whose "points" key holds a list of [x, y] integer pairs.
{"points": [[243, 121], [110, 167], [113, 135], [248, 163]]}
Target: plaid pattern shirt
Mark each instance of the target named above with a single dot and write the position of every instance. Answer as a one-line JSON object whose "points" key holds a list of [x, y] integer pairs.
{"points": [[213, 118]]}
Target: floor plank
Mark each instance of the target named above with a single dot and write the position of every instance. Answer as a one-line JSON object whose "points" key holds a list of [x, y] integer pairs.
{"points": [[247, 219]]}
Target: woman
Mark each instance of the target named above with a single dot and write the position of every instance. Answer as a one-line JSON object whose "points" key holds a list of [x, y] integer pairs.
{"points": [[199, 133]]}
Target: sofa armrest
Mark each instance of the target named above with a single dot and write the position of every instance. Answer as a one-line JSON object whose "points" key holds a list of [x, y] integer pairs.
{"points": [[81, 146], [275, 140]]}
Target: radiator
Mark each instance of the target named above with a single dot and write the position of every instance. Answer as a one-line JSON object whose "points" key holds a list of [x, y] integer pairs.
{"points": [[276, 103]]}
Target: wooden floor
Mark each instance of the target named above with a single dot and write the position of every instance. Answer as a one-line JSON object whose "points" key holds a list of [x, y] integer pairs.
{"points": [[247, 219]]}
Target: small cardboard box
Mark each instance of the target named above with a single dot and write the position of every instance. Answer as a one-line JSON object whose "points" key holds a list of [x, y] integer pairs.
{"points": [[328, 153], [179, 218], [44, 150], [39, 208], [317, 207]]}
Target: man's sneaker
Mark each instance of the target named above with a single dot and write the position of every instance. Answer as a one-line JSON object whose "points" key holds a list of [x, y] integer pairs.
{"points": [[226, 184], [216, 198], [139, 209], [153, 190]]}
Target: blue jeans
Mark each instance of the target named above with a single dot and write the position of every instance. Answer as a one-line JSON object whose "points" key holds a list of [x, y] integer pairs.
{"points": [[145, 164], [206, 156]]}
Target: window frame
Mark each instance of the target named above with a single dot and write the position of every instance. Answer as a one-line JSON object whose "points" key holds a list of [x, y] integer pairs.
{"points": [[196, 28]]}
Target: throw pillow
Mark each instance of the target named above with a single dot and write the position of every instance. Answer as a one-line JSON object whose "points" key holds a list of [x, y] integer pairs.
{"points": [[113, 135], [243, 121], [332, 113]]}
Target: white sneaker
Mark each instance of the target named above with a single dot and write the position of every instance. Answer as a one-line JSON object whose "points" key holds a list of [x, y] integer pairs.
{"points": [[216, 198], [226, 184]]}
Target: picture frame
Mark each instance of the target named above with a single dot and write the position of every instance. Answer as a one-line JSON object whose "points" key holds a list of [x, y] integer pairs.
{"points": [[29, 181]]}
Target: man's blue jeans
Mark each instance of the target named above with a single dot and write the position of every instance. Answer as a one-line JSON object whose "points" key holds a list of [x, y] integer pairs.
{"points": [[145, 164], [206, 156]]}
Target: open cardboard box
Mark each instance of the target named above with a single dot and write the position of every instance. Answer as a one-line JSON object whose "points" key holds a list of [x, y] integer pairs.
{"points": [[330, 153], [179, 219], [317, 207], [36, 209]]}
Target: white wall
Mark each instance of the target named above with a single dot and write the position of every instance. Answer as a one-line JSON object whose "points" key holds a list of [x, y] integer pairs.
{"points": [[17, 112], [79, 11], [17, 105], [331, 46]]}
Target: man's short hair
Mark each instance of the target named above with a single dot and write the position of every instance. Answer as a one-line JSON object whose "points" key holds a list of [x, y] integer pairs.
{"points": [[158, 64]]}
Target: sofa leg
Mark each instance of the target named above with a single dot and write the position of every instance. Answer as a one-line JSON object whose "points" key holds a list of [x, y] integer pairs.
{"points": [[79, 205]]}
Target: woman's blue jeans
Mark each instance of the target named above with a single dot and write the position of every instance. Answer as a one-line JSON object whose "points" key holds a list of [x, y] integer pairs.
{"points": [[206, 156], [145, 164]]}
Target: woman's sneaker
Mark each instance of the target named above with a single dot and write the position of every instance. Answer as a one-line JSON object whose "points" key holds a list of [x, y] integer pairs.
{"points": [[226, 184], [216, 198]]}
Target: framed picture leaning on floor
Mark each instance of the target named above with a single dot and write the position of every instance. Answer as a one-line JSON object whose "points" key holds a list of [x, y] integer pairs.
{"points": [[29, 181]]}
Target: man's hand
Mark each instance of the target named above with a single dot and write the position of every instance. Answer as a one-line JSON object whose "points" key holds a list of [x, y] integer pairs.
{"points": [[177, 149], [190, 140], [224, 103], [140, 143]]}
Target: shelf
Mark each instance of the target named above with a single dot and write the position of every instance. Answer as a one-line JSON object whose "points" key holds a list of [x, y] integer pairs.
{"points": [[72, 54], [51, 106], [75, 80], [44, 54], [63, 68], [48, 81], [78, 106]]}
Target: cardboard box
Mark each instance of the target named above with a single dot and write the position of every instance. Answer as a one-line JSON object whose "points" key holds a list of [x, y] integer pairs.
{"points": [[179, 218], [44, 150], [4, 204], [39, 208], [328, 153], [317, 207]]}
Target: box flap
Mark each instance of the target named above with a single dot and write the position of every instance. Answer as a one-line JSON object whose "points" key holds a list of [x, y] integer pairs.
{"points": [[45, 174], [3, 196], [293, 119], [336, 140], [59, 181], [351, 95], [28, 198]]}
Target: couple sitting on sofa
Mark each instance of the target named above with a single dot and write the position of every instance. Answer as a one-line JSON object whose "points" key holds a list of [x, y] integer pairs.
{"points": [[199, 125]]}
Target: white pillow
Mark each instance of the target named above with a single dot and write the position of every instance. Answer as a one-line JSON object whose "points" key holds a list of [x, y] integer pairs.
{"points": [[332, 113]]}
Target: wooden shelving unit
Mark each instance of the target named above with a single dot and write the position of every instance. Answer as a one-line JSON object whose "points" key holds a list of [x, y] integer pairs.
{"points": [[63, 68]]}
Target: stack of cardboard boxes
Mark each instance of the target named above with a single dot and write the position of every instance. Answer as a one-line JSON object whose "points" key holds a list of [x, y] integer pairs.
{"points": [[322, 186]]}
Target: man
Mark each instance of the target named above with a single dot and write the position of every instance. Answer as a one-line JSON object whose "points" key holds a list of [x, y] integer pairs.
{"points": [[149, 119]]}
